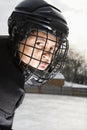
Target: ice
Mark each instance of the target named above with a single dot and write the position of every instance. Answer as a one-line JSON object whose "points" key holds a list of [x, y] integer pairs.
{"points": [[51, 112]]}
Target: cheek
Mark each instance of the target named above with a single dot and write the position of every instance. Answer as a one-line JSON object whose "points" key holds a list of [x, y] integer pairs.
{"points": [[37, 54], [34, 63], [51, 56], [25, 59], [26, 53], [31, 56]]}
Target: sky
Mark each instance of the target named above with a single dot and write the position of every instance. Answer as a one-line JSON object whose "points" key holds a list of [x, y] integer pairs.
{"points": [[74, 11]]}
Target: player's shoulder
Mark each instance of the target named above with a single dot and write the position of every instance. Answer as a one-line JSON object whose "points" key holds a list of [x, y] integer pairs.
{"points": [[4, 38]]}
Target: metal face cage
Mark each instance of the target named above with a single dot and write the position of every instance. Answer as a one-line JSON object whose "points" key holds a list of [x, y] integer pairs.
{"points": [[41, 55]]}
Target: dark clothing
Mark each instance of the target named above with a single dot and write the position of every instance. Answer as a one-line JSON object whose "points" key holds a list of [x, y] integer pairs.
{"points": [[11, 85]]}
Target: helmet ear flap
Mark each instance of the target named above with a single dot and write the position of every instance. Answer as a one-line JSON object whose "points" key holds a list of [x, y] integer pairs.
{"points": [[14, 34]]}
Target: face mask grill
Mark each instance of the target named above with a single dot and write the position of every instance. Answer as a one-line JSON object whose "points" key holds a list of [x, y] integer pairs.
{"points": [[41, 55]]}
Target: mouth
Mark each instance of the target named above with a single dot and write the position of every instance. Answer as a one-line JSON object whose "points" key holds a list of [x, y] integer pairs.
{"points": [[42, 66]]}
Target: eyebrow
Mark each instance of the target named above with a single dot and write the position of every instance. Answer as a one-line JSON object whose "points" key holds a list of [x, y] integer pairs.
{"points": [[41, 38], [45, 39]]}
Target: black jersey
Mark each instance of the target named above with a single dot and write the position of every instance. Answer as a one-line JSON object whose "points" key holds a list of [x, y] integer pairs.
{"points": [[11, 85]]}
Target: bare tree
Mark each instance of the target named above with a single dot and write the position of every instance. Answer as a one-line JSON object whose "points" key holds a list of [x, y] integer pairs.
{"points": [[74, 68]]}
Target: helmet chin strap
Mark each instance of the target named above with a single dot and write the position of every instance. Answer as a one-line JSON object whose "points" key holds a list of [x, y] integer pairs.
{"points": [[33, 79]]}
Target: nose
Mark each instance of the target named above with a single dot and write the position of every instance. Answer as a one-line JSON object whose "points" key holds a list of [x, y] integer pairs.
{"points": [[47, 57]]}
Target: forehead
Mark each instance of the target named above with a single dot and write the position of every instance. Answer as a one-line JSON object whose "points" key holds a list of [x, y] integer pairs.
{"points": [[43, 35]]}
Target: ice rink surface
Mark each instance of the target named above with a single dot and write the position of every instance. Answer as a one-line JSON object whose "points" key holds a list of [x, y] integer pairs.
{"points": [[51, 112]]}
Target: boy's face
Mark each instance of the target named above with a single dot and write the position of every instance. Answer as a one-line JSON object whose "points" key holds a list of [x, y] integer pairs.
{"points": [[38, 51]]}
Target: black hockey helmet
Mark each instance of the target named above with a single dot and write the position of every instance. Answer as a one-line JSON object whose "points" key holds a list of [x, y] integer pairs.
{"points": [[38, 15]]}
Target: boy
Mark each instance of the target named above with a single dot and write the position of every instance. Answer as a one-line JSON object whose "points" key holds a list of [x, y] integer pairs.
{"points": [[32, 54]]}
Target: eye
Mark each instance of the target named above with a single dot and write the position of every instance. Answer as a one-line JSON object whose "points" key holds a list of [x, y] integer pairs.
{"points": [[52, 49], [40, 44]]}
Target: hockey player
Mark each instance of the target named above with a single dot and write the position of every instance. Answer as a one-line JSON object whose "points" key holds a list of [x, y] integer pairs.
{"points": [[33, 53]]}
